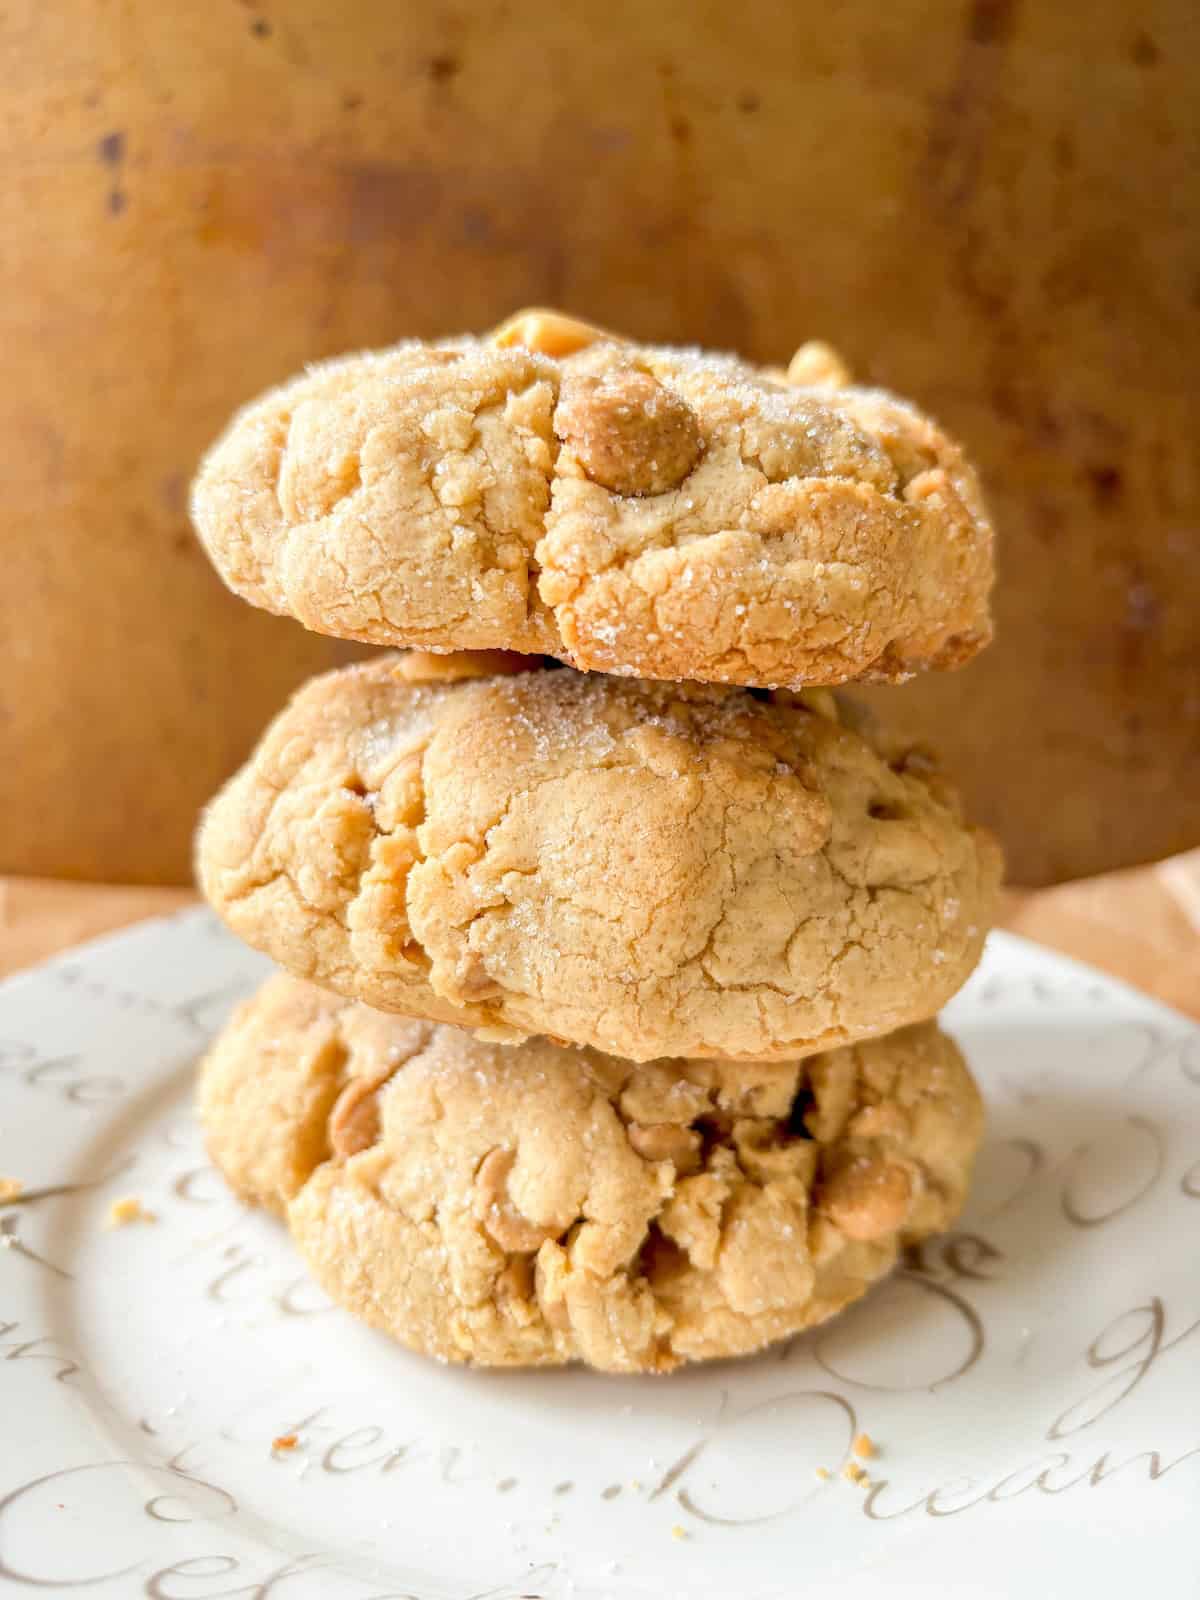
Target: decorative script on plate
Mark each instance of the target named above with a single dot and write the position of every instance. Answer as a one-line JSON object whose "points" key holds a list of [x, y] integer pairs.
{"points": [[186, 1417]]}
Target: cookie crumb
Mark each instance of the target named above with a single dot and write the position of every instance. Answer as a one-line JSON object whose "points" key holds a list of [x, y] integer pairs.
{"points": [[853, 1473], [865, 1446], [285, 1441], [10, 1189], [678, 1532], [824, 1474], [128, 1209]]}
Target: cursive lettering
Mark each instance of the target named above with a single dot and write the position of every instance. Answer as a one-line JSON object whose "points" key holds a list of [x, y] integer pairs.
{"points": [[971, 1322], [1073, 1210], [679, 1471], [1144, 1345], [60, 1075], [1040, 1476], [216, 1502], [37, 1349], [225, 1566], [340, 1456]]}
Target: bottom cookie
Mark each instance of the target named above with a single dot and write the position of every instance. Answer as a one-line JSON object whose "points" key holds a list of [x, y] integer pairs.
{"points": [[533, 1204]]}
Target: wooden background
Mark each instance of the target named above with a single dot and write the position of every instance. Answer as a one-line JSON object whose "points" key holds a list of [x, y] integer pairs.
{"points": [[988, 204]]}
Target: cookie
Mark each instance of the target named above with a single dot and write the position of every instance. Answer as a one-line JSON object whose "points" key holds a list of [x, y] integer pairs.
{"points": [[647, 868], [628, 508], [530, 1205]]}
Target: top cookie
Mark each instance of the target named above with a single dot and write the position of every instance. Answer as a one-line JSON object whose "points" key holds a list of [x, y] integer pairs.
{"points": [[631, 509]]}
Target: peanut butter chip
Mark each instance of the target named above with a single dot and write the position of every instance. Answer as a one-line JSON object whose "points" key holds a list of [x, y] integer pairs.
{"points": [[354, 1122], [495, 1209], [866, 1197], [629, 433], [475, 982], [549, 333], [516, 1281], [666, 1141], [817, 365]]}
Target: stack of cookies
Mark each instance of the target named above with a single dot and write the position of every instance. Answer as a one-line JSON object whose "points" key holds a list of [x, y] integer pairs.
{"points": [[613, 941]]}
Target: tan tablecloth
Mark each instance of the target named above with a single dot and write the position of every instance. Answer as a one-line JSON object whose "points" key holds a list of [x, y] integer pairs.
{"points": [[1142, 925]]}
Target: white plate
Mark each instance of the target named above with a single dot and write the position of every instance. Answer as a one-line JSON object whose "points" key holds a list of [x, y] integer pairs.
{"points": [[1032, 1380]]}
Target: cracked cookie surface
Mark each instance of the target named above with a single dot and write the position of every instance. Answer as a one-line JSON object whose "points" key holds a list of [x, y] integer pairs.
{"points": [[647, 868], [630, 509], [535, 1204]]}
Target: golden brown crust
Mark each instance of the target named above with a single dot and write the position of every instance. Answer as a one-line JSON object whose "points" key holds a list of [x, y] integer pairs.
{"points": [[649, 869], [504, 1207], [634, 509]]}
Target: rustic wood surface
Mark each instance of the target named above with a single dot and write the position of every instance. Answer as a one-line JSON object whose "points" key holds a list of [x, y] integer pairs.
{"points": [[990, 206]]}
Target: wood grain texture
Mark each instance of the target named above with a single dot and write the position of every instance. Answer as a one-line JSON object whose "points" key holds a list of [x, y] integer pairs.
{"points": [[988, 205], [1142, 925]]}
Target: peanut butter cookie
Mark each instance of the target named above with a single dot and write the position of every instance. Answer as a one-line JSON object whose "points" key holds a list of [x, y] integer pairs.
{"points": [[632, 509], [532, 1205], [646, 868]]}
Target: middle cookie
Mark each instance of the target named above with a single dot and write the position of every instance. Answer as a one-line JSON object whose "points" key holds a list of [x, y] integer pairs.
{"points": [[650, 869]]}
